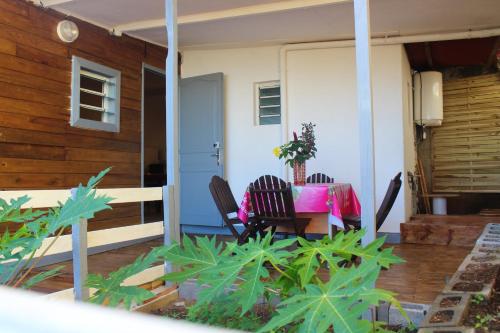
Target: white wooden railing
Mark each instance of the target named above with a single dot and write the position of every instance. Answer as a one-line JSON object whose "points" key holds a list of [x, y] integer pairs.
{"points": [[80, 240]]}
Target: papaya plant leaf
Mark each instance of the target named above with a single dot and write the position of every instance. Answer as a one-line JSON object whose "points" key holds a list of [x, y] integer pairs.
{"points": [[339, 303], [127, 295], [251, 258], [309, 257], [247, 259], [42, 277], [13, 212], [373, 249], [194, 259], [111, 292], [240, 276], [83, 205], [221, 269], [312, 255]]}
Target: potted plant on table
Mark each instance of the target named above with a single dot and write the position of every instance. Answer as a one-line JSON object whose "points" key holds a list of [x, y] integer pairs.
{"points": [[298, 151]]}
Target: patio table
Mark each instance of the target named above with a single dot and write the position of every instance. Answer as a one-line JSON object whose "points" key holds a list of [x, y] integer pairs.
{"points": [[337, 200]]}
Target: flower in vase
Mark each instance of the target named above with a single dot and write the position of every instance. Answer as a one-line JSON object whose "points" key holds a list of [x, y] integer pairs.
{"points": [[301, 148]]}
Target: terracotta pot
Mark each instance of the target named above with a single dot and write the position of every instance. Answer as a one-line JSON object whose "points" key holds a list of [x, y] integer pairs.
{"points": [[299, 174]]}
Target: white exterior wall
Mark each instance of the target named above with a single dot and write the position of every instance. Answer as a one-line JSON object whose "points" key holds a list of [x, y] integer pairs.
{"points": [[321, 86]]}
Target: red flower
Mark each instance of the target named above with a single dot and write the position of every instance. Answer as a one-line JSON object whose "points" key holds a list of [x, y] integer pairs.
{"points": [[295, 138]]}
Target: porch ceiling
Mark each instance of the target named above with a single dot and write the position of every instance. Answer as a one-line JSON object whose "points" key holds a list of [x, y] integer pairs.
{"points": [[439, 55], [263, 22]]}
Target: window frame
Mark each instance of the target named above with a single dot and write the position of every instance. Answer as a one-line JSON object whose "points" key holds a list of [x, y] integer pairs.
{"points": [[112, 78], [257, 88]]}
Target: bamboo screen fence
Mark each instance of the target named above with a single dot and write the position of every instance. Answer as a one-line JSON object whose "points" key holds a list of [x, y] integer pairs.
{"points": [[466, 148]]}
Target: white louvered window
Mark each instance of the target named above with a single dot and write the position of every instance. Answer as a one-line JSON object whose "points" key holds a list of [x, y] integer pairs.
{"points": [[95, 96], [268, 95]]}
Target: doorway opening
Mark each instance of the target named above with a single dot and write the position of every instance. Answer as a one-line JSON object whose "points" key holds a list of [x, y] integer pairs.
{"points": [[153, 139]]}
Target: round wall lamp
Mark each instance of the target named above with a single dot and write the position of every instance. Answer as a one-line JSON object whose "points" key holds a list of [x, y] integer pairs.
{"points": [[67, 31]]}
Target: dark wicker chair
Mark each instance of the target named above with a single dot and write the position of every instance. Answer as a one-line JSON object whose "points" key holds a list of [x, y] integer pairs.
{"points": [[272, 203], [384, 209], [228, 208], [319, 178]]}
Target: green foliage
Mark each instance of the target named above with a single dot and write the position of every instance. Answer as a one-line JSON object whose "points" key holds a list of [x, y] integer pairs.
{"points": [[300, 149], [220, 314], [195, 259], [477, 299], [307, 302], [41, 277], [312, 255], [339, 303], [222, 268], [111, 292], [17, 248], [482, 322]]}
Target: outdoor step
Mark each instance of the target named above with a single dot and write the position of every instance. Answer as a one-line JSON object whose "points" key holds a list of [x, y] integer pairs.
{"points": [[419, 232], [456, 219], [458, 230]]}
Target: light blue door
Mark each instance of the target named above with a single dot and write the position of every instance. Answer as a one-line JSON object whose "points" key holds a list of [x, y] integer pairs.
{"points": [[201, 147]]}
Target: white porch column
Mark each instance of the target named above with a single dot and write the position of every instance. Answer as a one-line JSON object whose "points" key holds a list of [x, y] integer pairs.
{"points": [[171, 194], [365, 112]]}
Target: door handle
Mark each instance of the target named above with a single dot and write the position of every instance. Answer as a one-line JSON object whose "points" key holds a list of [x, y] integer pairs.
{"points": [[217, 154]]}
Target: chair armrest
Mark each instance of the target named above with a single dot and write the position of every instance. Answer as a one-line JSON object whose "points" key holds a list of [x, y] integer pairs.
{"points": [[351, 219]]}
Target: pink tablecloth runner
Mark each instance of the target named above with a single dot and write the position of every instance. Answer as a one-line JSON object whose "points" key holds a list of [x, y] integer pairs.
{"points": [[337, 199]]}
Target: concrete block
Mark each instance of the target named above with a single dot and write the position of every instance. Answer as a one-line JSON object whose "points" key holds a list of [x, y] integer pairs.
{"points": [[392, 316], [486, 249], [453, 306], [493, 226], [459, 283], [475, 259]]}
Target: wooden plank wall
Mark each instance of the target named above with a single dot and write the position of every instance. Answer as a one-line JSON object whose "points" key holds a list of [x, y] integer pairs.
{"points": [[466, 148], [38, 147]]}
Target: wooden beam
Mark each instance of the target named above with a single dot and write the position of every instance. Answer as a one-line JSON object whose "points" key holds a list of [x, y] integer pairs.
{"points": [[428, 55], [227, 14], [51, 198], [164, 296], [102, 237], [365, 111], [493, 55]]}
